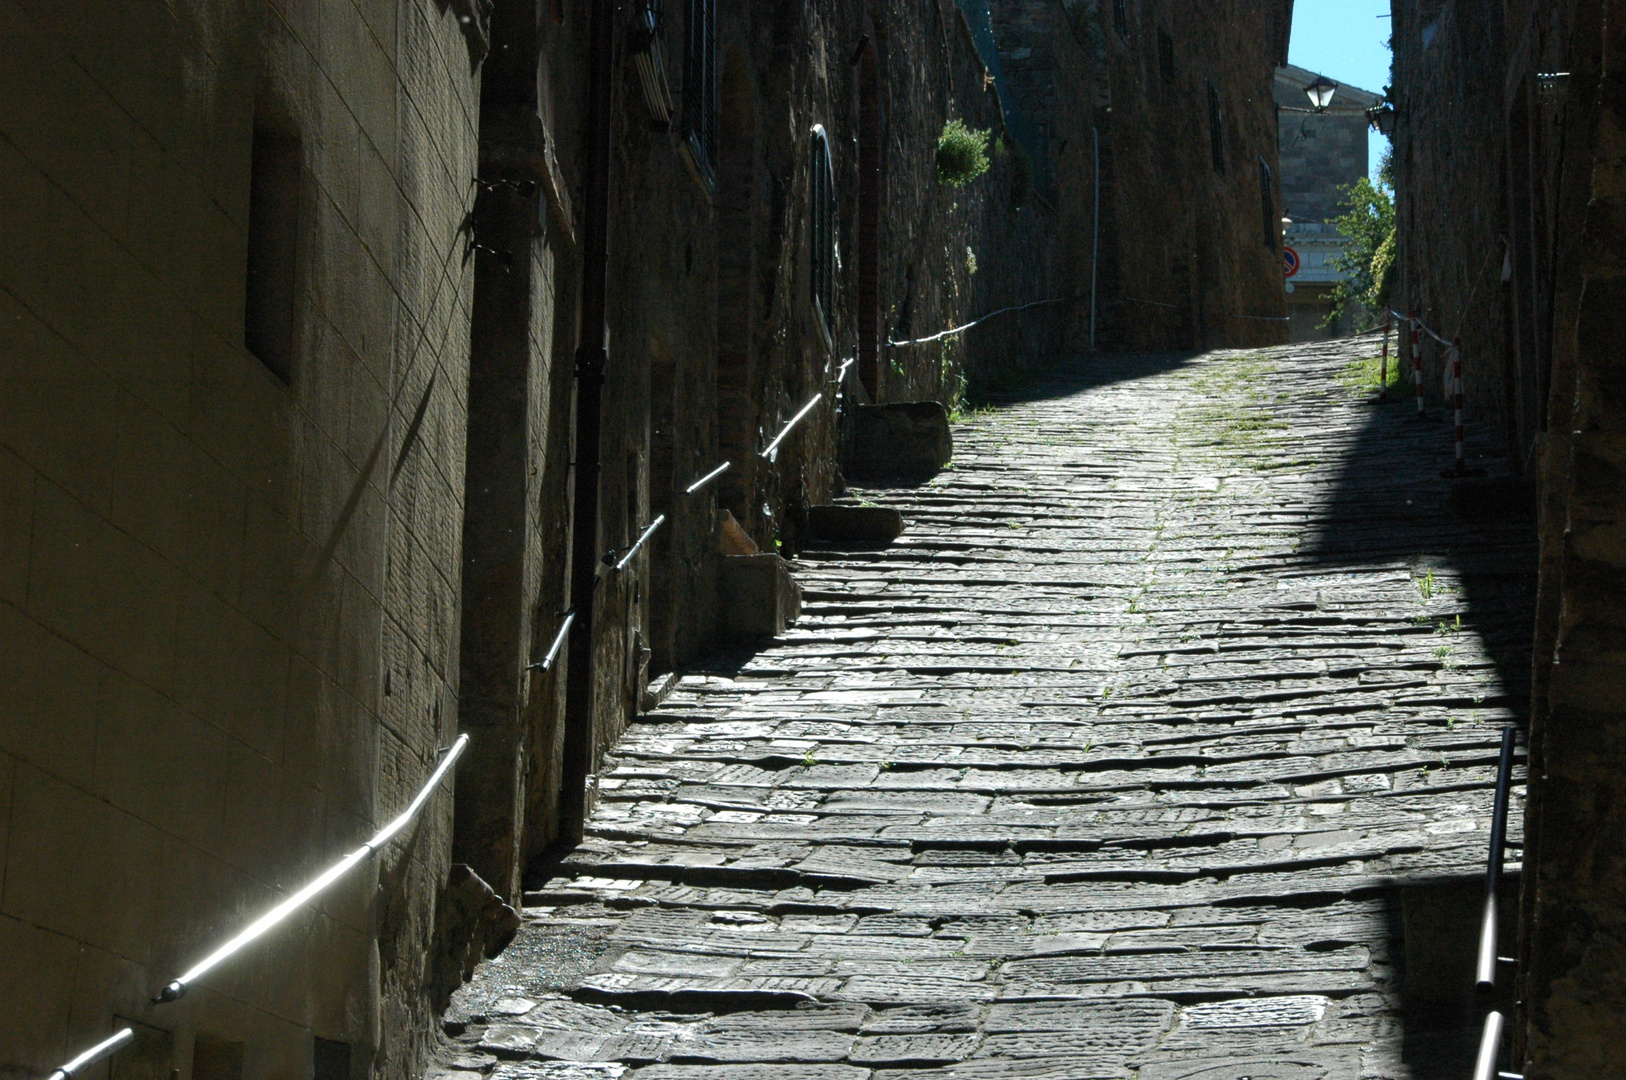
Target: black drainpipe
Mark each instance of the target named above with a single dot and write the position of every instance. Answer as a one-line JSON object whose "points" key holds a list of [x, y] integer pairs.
{"points": [[591, 358]]}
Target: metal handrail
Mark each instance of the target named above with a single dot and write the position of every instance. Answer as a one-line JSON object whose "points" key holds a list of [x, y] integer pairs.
{"points": [[93, 1055], [792, 422], [1485, 971], [558, 643], [258, 928], [708, 478], [1490, 1045], [633, 550]]}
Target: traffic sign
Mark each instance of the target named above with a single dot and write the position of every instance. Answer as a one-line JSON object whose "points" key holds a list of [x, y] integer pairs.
{"points": [[1292, 259]]}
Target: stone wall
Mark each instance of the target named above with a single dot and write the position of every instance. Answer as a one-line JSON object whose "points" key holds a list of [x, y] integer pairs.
{"points": [[1449, 160], [228, 587], [1321, 153], [1491, 158], [1572, 964], [1191, 253]]}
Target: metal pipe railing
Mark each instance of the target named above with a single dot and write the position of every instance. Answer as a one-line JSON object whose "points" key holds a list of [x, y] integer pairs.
{"points": [[93, 1055], [633, 550], [558, 643], [708, 478], [791, 423], [1490, 1046], [1485, 970], [259, 927]]}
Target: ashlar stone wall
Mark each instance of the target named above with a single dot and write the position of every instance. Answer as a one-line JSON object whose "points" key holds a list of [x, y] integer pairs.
{"points": [[228, 582]]}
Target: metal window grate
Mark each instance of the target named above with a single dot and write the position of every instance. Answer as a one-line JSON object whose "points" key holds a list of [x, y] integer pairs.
{"points": [[822, 229]]}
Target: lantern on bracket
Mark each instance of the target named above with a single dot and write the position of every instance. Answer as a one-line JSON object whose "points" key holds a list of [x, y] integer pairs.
{"points": [[1382, 118], [1320, 93]]}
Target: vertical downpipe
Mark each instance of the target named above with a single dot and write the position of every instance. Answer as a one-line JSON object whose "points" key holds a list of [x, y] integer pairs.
{"points": [[591, 359], [1095, 231]]}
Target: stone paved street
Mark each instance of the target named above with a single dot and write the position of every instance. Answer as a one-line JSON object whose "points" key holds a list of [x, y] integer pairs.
{"points": [[1109, 767]]}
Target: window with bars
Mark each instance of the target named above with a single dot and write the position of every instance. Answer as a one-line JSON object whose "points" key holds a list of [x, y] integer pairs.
{"points": [[1216, 129], [821, 217], [700, 87], [1267, 203], [1120, 17]]}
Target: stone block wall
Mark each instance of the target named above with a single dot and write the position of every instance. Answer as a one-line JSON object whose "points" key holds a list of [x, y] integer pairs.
{"points": [[1191, 253], [1449, 152], [228, 594]]}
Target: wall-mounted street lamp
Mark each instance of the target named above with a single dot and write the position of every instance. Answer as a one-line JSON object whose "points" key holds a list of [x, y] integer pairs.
{"points": [[1320, 92], [1382, 118]]}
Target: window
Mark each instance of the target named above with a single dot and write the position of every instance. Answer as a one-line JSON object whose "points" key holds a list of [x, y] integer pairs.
{"points": [[1216, 130], [273, 232], [700, 87], [1267, 204], [1165, 56], [821, 216], [1120, 17]]}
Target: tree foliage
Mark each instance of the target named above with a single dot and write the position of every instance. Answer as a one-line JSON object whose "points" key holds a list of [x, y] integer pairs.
{"points": [[1368, 259]]}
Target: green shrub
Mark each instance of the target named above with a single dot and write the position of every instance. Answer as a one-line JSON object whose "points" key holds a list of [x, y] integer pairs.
{"points": [[962, 154]]}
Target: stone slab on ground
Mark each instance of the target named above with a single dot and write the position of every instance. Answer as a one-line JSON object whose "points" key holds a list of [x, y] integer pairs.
{"points": [[1117, 763]]}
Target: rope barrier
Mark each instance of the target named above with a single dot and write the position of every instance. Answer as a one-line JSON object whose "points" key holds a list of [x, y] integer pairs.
{"points": [[1262, 318], [1154, 303], [1418, 323], [961, 329], [178, 988]]}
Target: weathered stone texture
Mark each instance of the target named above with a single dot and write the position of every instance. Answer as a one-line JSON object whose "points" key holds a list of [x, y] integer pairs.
{"points": [[229, 600], [1116, 763], [1450, 157], [1189, 256]]}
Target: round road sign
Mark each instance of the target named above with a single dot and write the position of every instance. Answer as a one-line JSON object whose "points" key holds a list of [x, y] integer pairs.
{"points": [[1291, 257]]}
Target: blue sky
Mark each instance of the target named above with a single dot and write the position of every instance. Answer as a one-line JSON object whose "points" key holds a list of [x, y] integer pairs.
{"points": [[1347, 42]]}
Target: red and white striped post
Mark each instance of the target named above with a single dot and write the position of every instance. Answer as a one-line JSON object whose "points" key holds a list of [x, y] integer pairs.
{"points": [[1456, 400], [1383, 368], [1416, 361]]}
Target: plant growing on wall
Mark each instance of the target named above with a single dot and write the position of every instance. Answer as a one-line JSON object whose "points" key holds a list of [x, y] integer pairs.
{"points": [[962, 154], [1368, 259]]}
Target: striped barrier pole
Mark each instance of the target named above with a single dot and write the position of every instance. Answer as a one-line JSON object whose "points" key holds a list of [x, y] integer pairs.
{"points": [[1383, 369], [1456, 401], [1416, 362]]}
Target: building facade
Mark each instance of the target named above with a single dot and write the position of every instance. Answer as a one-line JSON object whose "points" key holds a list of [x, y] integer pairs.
{"points": [[1191, 243], [1322, 154], [1510, 203], [360, 363]]}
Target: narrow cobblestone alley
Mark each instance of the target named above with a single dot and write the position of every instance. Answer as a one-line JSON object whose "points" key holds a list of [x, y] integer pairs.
{"points": [[1111, 766]]}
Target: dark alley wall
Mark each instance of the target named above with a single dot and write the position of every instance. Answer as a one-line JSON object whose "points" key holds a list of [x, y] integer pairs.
{"points": [[1509, 189], [234, 334]]}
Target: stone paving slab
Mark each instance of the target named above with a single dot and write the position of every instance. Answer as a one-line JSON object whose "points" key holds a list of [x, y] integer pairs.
{"points": [[1109, 767]]}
